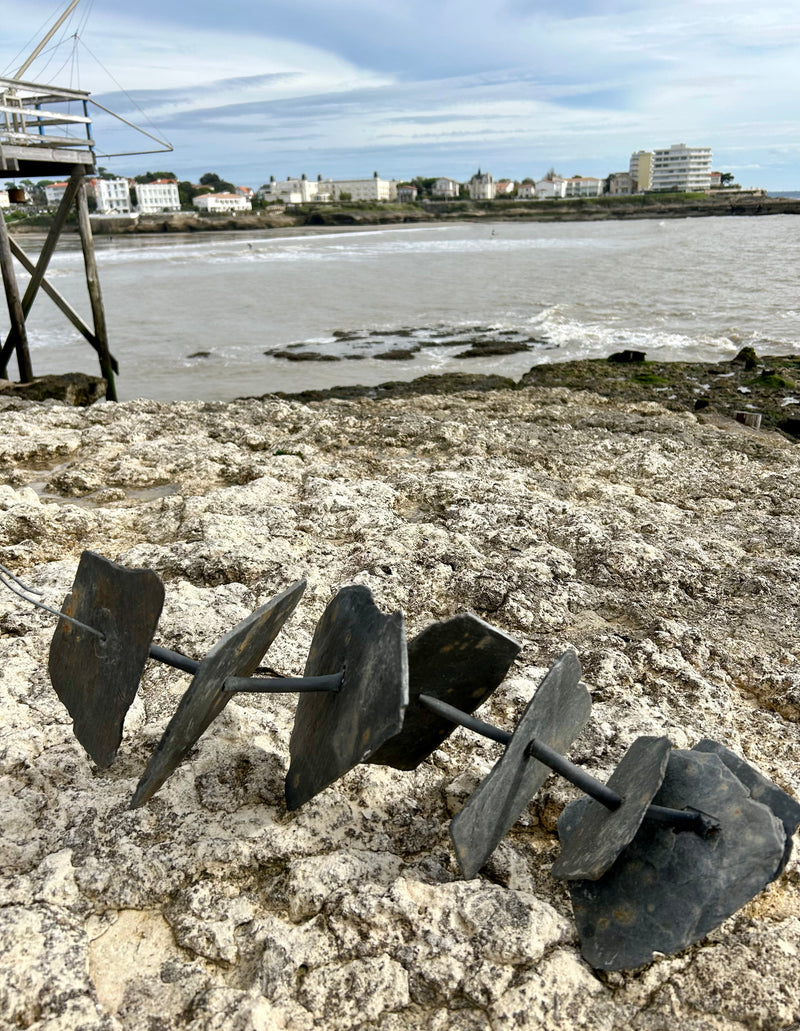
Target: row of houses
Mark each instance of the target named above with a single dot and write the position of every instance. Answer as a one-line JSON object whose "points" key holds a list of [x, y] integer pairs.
{"points": [[677, 168], [113, 197]]}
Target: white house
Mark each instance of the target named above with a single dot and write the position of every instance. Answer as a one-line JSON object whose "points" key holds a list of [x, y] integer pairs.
{"points": [[217, 203], [526, 191], [113, 196], [161, 195], [583, 186], [481, 186], [292, 191], [445, 189], [549, 189], [681, 169], [54, 192]]}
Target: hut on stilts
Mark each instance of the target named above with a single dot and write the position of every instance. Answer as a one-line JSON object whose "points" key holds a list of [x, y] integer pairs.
{"points": [[40, 135]]}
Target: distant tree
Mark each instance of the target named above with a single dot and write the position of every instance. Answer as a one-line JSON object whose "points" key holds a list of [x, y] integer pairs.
{"points": [[424, 185], [217, 184], [725, 178], [527, 181], [551, 174], [344, 195], [187, 192], [150, 177]]}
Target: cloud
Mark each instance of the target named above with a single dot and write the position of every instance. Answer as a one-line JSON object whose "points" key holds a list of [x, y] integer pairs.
{"points": [[519, 82]]}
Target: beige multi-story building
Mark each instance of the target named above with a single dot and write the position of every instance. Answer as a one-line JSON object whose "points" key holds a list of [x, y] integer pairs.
{"points": [[158, 196], [641, 170], [681, 169]]}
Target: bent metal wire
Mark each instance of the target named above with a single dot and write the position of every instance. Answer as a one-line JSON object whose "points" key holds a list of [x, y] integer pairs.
{"points": [[673, 844]]}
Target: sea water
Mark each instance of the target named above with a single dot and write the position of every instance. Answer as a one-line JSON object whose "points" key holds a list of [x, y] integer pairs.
{"points": [[214, 315]]}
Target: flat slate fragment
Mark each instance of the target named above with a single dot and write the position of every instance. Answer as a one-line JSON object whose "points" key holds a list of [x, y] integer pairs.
{"points": [[556, 715], [237, 654], [97, 679], [668, 889], [333, 732], [786, 808], [603, 833], [460, 661]]}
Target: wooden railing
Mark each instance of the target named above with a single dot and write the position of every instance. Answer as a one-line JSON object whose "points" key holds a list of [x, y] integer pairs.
{"points": [[33, 115]]}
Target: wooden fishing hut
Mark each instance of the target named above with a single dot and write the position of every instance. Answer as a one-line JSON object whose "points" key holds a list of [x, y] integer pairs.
{"points": [[36, 126]]}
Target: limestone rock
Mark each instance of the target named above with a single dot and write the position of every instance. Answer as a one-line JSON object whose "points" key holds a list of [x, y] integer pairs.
{"points": [[662, 548]]}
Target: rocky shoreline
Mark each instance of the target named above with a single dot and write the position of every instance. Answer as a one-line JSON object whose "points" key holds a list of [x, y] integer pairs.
{"points": [[657, 538], [321, 216]]}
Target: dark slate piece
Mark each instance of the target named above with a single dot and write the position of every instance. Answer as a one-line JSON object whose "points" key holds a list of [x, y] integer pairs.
{"points": [[97, 679], [603, 833], [762, 790], [237, 654], [459, 661], [332, 733], [668, 889], [556, 715]]}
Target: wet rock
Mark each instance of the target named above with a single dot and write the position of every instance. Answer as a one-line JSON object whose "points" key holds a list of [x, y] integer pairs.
{"points": [[73, 388]]}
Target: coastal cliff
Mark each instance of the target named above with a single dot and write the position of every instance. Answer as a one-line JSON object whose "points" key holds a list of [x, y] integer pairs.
{"points": [[661, 545]]}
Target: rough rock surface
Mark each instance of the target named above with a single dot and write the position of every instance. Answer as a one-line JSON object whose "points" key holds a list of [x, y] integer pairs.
{"points": [[664, 549]]}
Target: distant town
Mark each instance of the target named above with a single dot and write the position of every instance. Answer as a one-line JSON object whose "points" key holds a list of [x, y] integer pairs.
{"points": [[674, 169]]}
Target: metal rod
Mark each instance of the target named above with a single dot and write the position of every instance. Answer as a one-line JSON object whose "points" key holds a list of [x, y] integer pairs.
{"points": [[174, 659], [282, 685], [13, 583], [679, 819], [588, 784], [463, 719]]}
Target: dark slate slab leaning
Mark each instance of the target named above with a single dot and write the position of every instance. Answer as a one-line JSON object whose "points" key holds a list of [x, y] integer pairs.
{"points": [[237, 654], [460, 661], [762, 790], [96, 677], [556, 715], [668, 889], [334, 732]]}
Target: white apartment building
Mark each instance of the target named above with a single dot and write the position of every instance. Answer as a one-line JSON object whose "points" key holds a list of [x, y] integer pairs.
{"points": [[162, 195], [53, 193], [113, 196], [681, 169], [219, 203], [583, 186], [641, 169], [481, 186], [446, 189], [364, 189], [295, 191]]}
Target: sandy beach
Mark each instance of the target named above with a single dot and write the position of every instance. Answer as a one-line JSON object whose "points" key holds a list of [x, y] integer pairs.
{"points": [[660, 545]]}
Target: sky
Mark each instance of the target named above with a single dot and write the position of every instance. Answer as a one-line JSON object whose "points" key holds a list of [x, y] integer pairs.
{"points": [[345, 88]]}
